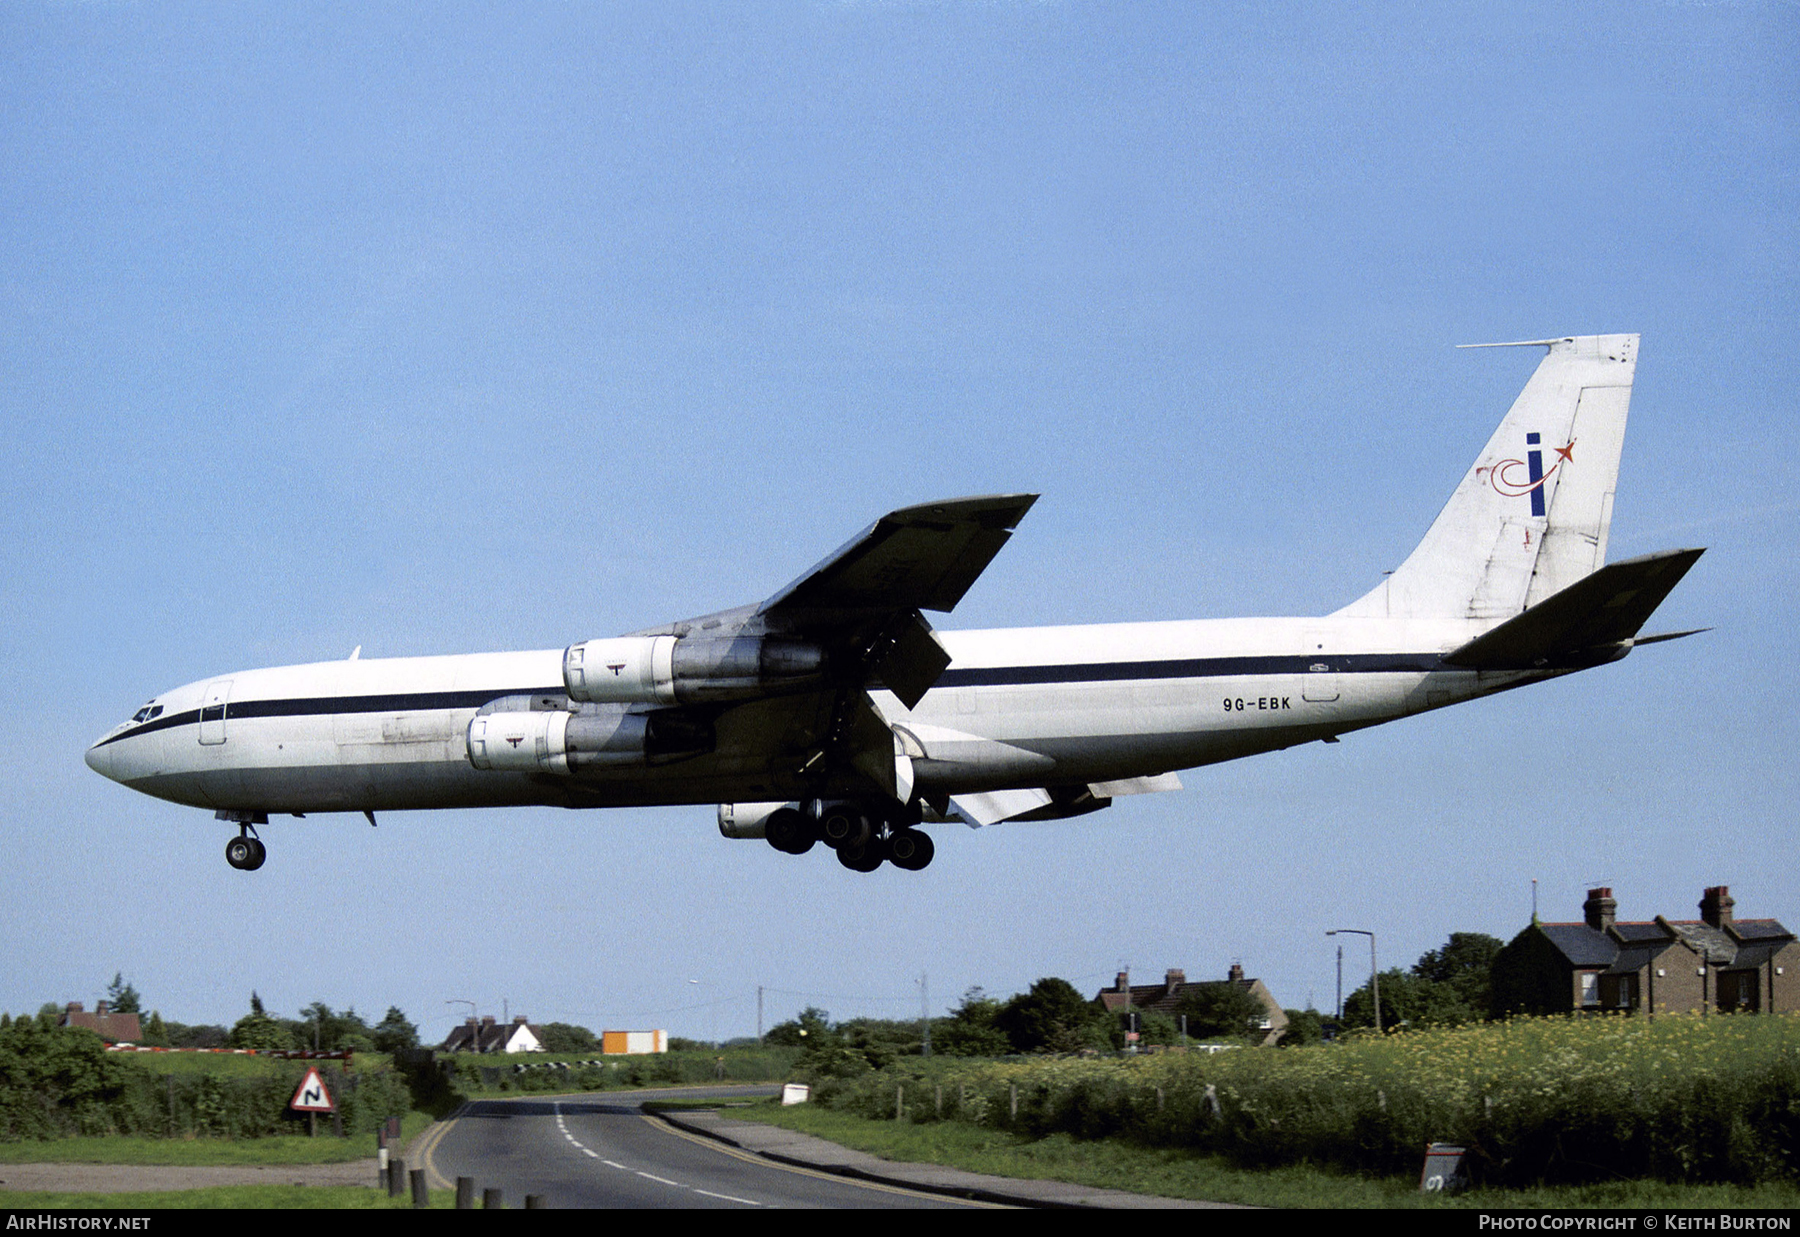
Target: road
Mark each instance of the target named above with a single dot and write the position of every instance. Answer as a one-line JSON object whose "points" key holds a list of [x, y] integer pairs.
{"points": [[596, 1151]]}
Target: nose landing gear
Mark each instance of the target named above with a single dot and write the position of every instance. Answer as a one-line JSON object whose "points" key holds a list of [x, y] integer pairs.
{"points": [[245, 852]]}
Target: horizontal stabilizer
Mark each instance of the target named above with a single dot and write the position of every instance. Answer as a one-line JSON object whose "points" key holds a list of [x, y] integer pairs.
{"points": [[1603, 611]]}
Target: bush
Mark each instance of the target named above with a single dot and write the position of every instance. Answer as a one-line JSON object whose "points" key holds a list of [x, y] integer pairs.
{"points": [[1712, 1099]]}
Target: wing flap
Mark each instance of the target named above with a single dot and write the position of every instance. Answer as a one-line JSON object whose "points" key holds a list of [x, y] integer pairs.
{"points": [[910, 659]]}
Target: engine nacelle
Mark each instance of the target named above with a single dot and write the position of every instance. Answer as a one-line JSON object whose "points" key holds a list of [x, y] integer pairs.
{"points": [[528, 742], [746, 820], [625, 670], [687, 669], [557, 741]]}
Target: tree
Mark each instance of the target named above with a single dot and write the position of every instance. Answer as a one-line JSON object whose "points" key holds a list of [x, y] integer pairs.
{"points": [[203, 1035], [156, 1035], [1445, 987], [121, 997], [394, 1033], [1465, 964], [319, 1027], [1225, 1009], [1305, 1026], [258, 1030], [1405, 1000], [969, 1031], [566, 1037], [812, 1025], [1051, 1017]]}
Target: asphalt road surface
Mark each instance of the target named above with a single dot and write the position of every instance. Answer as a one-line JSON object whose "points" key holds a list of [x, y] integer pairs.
{"points": [[595, 1151]]}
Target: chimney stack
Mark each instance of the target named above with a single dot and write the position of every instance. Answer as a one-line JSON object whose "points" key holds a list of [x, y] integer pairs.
{"points": [[1236, 973], [1716, 905], [1599, 909]]}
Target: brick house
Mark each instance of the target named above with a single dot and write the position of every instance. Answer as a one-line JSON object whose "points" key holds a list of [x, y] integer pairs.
{"points": [[1166, 996], [1715, 963]]}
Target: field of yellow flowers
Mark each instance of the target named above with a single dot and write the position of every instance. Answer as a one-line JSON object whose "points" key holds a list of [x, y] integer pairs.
{"points": [[1693, 1099]]}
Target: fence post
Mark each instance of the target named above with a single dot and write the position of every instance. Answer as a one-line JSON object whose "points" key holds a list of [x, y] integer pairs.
{"points": [[420, 1191], [465, 1193], [490, 1200], [396, 1178]]}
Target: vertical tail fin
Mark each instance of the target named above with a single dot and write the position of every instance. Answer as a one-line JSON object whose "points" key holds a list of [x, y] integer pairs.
{"points": [[1531, 517]]}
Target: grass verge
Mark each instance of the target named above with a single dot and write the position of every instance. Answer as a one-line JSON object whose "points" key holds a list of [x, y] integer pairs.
{"points": [[122, 1149], [1171, 1173], [237, 1197]]}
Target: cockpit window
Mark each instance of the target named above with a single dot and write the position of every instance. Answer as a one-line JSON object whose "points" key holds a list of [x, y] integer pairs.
{"points": [[147, 712]]}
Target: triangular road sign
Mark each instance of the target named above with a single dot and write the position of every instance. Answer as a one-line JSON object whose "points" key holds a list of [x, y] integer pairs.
{"points": [[312, 1095]]}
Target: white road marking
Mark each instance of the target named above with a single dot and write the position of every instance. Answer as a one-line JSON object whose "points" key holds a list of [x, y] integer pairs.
{"points": [[576, 1143]]}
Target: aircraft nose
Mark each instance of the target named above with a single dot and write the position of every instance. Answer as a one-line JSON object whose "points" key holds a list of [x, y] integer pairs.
{"points": [[100, 759]]}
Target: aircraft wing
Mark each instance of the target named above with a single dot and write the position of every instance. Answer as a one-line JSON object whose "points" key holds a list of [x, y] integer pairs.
{"points": [[864, 601], [916, 558]]}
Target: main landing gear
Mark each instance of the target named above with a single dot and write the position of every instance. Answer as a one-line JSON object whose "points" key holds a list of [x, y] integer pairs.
{"points": [[864, 837]]}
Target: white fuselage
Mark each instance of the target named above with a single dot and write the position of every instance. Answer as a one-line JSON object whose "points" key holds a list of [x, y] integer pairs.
{"points": [[1025, 707]]}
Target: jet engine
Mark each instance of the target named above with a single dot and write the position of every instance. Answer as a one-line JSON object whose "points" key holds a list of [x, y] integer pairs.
{"points": [[557, 741], [688, 669]]}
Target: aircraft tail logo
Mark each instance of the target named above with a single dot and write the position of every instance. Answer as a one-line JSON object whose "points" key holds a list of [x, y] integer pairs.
{"points": [[1507, 481]]}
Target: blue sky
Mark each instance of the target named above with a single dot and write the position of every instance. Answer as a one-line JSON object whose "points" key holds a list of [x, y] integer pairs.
{"points": [[437, 329]]}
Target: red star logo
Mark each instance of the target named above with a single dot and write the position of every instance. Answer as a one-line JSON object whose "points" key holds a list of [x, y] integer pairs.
{"points": [[1567, 453]]}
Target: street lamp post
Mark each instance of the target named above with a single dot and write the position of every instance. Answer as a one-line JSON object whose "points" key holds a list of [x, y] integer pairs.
{"points": [[1374, 975]]}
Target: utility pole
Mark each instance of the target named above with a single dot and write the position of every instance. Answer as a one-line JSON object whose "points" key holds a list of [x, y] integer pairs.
{"points": [[925, 1011], [1340, 990], [1374, 975]]}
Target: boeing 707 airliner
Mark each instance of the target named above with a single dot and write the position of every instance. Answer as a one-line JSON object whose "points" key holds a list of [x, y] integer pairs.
{"points": [[833, 713]]}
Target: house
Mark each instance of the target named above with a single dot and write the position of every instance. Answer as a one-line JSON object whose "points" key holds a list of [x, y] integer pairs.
{"points": [[1715, 963], [485, 1035], [1167, 996], [111, 1027]]}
